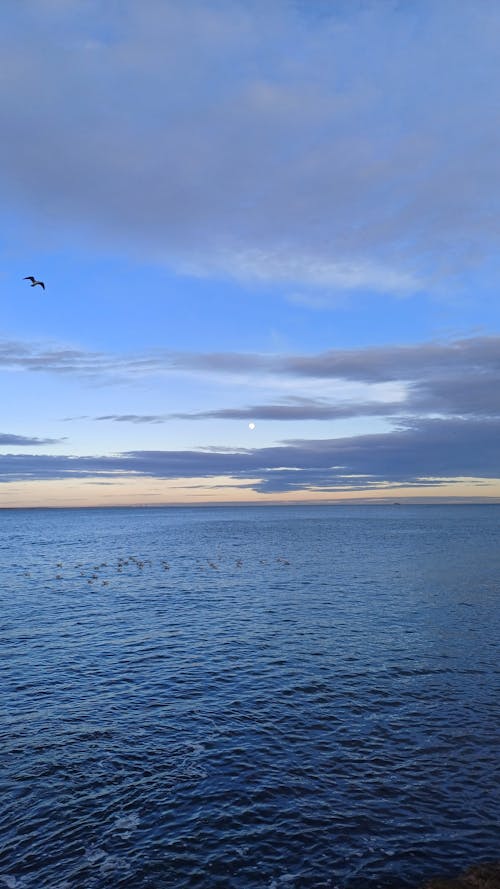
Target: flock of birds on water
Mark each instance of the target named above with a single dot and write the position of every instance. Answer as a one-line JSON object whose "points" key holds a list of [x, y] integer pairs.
{"points": [[94, 574]]}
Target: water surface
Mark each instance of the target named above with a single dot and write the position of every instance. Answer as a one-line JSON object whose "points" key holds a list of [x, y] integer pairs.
{"points": [[278, 697]]}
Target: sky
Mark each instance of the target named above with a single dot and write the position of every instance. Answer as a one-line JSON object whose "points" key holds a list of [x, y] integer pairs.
{"points": [[269, 234]]}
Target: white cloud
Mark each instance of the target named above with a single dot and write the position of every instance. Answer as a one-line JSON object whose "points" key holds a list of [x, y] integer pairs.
{"points": [[288, 265]]}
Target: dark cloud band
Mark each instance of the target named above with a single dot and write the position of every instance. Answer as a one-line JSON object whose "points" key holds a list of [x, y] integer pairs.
{"points": [[8, 439], [423, 361], [429, 451]]}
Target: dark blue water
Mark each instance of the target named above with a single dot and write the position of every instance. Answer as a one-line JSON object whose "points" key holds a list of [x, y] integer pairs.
{"points": [[269, 697]]}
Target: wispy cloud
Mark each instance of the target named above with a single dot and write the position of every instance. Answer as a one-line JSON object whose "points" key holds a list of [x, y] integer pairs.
{"points": [[18, 355], [132, 418], [7, 439], [477, 356], [457, 378], [296, 409], [284, 266]]}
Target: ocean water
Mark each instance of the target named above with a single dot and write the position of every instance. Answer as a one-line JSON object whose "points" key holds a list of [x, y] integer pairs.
{"points": [[278, 698]]}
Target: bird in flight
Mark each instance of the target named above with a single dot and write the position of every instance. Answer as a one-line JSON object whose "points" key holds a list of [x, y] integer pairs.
{"points": [[34, 282]]}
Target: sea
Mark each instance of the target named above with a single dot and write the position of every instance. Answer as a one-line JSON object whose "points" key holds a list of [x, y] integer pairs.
{"points": [[278, 697]]}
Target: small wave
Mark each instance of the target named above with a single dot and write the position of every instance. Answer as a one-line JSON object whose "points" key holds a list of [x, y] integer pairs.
{"points": [[112, 864], [107, 864], [127, 822], [282, 880], [94, 855], [10, 881]]}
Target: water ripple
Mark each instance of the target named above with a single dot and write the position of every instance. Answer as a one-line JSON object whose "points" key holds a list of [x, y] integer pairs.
{"points": [[262, 699]]}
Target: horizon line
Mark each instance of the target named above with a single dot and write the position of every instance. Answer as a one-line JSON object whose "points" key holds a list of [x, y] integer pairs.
{"points": [[383, 501]]}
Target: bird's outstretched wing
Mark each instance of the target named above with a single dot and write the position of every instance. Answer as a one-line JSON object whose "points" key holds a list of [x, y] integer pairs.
{"points": [[40, 283], [29, 278]]}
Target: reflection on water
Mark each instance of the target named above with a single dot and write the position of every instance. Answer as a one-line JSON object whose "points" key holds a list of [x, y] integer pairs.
{"points": [[266, 697]]}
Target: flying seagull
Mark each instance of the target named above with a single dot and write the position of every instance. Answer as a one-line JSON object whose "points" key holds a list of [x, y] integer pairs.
{"points": [[34, 282]]}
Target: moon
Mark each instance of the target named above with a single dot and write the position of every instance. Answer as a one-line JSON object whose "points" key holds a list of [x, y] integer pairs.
{"points": [[251, 425]]}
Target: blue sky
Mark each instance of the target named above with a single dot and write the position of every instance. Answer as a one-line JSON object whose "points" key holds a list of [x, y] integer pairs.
{"points": [[282, 214]]}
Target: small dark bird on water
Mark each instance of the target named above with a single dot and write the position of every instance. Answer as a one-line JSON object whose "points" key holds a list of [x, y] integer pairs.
{"points": [[34, 282]]}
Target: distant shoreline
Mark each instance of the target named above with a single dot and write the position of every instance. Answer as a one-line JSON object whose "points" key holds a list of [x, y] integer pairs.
{"points": [[486, 501]]}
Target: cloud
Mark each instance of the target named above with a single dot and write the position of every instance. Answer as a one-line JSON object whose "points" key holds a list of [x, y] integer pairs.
{"points": [[7, 439], [192, 134], [59, 359], [282, 266], [133, 418], [457, 378], [384, 363], [376, 364], [295, 409], [421, 452], [456, 396]]}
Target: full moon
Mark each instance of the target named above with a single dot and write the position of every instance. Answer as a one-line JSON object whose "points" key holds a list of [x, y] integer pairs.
{"points": [[251, 425]]}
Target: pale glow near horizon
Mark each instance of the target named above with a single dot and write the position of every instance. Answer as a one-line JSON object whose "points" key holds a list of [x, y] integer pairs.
{"points": [[220, 491]]}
